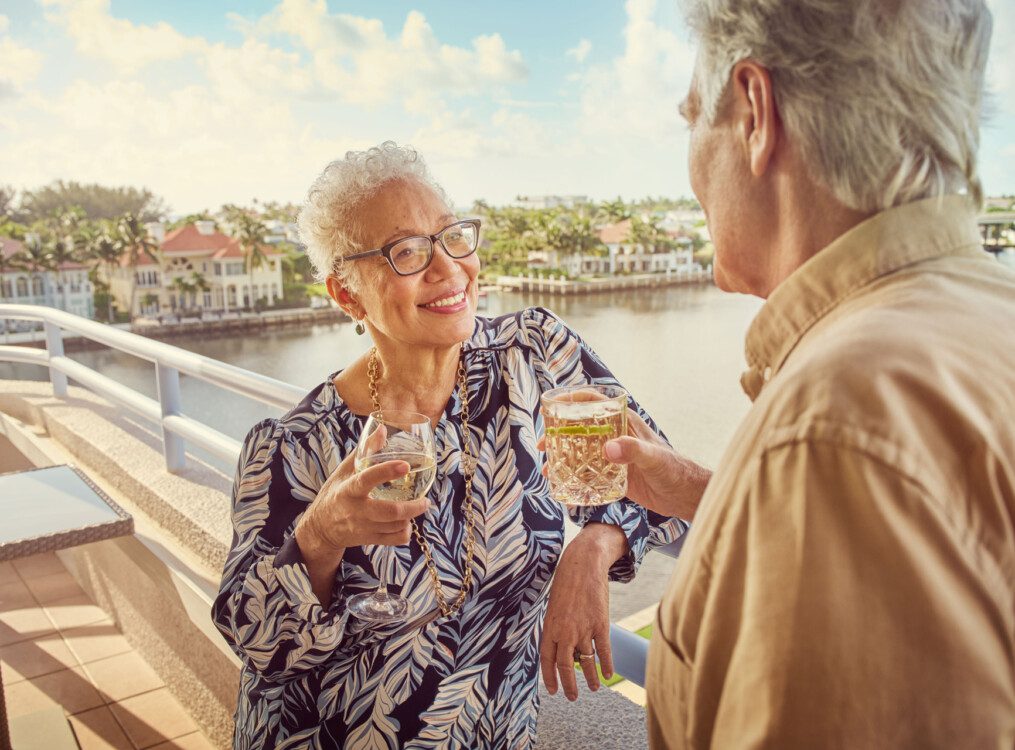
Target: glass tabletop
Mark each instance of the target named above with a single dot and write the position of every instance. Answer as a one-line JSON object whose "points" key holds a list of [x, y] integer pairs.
{"points": [[52, 508]]}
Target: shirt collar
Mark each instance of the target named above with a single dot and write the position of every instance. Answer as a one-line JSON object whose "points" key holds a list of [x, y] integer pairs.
{"points": [[878, 246]]}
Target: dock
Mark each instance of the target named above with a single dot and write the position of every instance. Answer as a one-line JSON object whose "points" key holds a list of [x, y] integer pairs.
{"points": [[569, 287]]}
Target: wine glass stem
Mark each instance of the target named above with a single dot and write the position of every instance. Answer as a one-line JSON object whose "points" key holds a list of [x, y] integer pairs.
{"points": [[382, 581]]}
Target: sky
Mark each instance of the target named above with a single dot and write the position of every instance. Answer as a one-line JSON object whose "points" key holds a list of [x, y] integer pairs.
{"points": [[207, 102]]}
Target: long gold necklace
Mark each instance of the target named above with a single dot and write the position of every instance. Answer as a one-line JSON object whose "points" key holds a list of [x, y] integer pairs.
{"points": [[468, 469]]}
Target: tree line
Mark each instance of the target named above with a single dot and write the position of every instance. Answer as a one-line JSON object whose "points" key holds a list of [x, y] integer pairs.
{"points": [[512, 233]]}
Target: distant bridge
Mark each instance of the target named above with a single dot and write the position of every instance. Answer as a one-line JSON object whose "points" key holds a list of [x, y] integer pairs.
{"points": [[997, 230]]}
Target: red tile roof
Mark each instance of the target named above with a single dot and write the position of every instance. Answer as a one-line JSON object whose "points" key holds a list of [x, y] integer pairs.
{"points": [[613, 234], [187, 239]]}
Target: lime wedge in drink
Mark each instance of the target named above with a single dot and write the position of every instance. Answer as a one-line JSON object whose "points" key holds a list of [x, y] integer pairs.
{"points": [[581, 429]]}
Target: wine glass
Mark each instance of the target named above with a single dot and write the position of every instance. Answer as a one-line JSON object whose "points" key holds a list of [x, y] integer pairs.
{"points": [[391, 435]]}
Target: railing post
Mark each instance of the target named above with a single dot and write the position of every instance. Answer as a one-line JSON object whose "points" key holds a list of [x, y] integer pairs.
{"points": [[54, 345], [168, 381]]}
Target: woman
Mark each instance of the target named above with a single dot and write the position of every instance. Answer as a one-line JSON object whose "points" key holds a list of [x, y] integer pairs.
{"points": [[307, 535]]}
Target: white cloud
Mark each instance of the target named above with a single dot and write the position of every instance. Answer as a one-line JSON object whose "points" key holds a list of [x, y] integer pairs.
{"points": [[254, 70], [636, 94], [19, 65], [581, 51], [356, 59], [126, 45]]}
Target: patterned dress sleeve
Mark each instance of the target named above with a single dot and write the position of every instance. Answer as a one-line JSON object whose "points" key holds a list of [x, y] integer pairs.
{"points": [[266, 608], [561, 357]]}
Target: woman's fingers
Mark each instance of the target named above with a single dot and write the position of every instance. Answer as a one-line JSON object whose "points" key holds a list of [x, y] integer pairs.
{"points": [[362, 483], [385, 527], [588, 665], [604, 650], [548, 664], [392, 540], [564, 661], [389, 510]]}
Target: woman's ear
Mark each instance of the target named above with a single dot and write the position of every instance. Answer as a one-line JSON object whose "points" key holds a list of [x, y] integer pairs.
{"points": [[345, 299]]}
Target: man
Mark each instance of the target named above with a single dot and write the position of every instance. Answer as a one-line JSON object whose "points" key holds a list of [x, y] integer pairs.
{"points": [[850, 580]]}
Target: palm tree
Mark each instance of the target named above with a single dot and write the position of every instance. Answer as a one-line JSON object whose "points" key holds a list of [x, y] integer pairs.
{"points": [[250, 232], [199, 282], [34, 257], [132, 239], [184, 287], [583, 235], [615, 211], [14, 231], [641, 233], [97, 244]]}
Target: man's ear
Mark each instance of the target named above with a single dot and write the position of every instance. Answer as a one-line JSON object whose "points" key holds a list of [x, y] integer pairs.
{"points": [[345, 299], [755, 112]]}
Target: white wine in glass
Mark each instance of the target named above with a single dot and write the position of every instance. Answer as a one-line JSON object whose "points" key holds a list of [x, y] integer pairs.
{"points": [[390, 435]]}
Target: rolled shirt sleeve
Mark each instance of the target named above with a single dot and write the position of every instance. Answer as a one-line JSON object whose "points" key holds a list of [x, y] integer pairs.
{"points": [[266, 608], [562, 358]]}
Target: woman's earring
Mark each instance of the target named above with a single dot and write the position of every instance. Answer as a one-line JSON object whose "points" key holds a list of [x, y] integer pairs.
{"points": [[360, 328]]}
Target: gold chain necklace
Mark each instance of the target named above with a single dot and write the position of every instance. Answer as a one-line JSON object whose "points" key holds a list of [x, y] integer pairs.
{"points": [[468, 469]]}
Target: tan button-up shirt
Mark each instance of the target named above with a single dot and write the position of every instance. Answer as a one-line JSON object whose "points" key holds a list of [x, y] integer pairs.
{"points": [[850, 580]]}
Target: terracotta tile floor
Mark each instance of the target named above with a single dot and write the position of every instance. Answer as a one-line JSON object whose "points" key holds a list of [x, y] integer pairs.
{"points": [[58, 649]]}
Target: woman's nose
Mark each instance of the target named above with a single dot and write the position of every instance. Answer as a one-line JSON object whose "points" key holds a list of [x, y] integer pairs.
{"points": [[442, 265]]}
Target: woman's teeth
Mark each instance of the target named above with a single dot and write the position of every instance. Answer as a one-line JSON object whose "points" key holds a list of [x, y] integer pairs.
{"points": [[447, 301]]}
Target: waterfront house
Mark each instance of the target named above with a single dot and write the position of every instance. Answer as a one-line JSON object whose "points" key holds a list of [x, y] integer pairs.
{"points": [[619, 254], [197, 268], [66, 287], [626, 256]]}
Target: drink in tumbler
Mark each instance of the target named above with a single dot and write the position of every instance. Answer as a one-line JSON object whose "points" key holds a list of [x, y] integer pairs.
{"points": [[578, 422]]}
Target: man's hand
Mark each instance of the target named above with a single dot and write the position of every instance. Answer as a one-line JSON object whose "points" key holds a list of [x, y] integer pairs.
{"points": [[657, 476]]}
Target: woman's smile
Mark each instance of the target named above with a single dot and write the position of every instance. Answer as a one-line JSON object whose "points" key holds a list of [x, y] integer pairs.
{"points": [[449, 302]]}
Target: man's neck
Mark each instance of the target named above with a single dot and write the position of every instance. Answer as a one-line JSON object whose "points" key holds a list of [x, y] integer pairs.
{"points": [[809, 220]]}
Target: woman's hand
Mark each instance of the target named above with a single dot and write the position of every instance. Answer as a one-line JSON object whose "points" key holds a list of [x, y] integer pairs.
{"points": [[657, 476], [578, 613], [344, 515]]}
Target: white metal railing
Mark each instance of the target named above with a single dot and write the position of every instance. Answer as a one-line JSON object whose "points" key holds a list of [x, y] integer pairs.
{"points": [[630, 651], [170, 361]]}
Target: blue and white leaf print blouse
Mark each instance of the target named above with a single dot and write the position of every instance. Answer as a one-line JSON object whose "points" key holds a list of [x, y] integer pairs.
{"points": [[314, 677]]}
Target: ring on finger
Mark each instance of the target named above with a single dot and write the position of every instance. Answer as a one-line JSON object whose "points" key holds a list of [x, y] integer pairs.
{"points": [[578, 655]]}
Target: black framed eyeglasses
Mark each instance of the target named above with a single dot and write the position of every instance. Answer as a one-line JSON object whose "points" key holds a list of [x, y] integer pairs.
{"points": [[410, 255]]}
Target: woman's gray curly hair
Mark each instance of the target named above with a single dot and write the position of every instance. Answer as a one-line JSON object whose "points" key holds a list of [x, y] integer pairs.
{"points": [[327, 221], [883, 97]]}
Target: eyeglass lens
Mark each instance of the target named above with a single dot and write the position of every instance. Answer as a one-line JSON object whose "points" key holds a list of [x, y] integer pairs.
{"points": [[413, 253]]}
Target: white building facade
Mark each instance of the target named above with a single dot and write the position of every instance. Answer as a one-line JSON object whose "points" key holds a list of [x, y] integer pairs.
{"points": [[67, 288]]}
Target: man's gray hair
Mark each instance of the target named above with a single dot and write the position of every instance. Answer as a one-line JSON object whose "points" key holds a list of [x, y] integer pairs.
{"points": [[883, 97], [327, 221]]}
